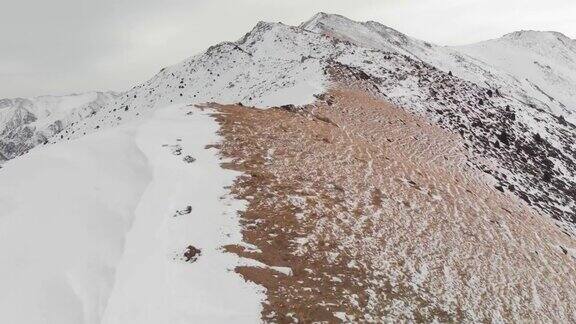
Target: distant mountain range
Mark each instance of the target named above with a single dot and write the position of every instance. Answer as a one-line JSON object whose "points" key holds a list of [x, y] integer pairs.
{"points": [[25, 123]]}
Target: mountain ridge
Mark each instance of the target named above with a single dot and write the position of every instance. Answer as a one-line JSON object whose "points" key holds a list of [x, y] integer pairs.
{"points": [[276, 64], [389, 39]]}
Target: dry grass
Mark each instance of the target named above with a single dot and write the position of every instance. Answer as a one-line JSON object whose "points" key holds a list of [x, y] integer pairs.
{"points": [[378, 216]]}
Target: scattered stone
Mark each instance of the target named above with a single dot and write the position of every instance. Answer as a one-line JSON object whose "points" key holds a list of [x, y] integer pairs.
{"points": [[189, 159], [176, 150], [184, 211], [192, 254]]}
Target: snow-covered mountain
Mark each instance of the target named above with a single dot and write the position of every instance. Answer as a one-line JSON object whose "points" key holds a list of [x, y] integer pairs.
{"points": [[384, 178], [544, 63], [513, 136], [536, 67], [25, 123], [503, 115]]}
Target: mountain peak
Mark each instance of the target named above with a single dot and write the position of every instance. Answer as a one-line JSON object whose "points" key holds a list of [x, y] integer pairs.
{"points": [[325, 18], [319, 15], [370, 34], [536, 35], [340, 22], [261, 28]]}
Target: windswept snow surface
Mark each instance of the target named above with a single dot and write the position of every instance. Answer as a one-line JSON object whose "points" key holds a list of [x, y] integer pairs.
{"points": [[65, 212], [153, 284], [88, 232]]}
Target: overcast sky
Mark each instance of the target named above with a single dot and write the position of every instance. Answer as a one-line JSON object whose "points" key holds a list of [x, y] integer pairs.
{"points": [[67, 46]]}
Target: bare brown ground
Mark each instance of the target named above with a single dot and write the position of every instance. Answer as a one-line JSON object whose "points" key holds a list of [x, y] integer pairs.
{"points": [[377, 215]]}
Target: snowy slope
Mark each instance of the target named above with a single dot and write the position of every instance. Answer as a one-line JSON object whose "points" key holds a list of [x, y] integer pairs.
{"points": [[25, 123], [543, 62], [104, 245], [274, 64], [63, 227], [207, 290], [374, 35]]}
